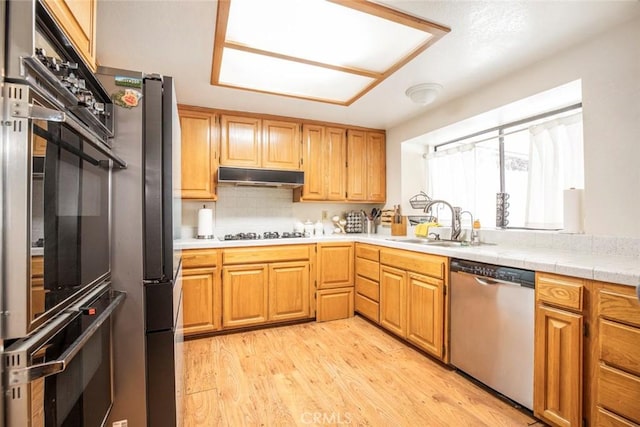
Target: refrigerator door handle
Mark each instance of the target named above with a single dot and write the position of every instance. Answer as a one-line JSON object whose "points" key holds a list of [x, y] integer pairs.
{"points": [[30, 373]]}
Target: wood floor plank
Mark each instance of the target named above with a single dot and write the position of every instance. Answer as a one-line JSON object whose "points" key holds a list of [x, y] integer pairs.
{"points": [[345, 372]]}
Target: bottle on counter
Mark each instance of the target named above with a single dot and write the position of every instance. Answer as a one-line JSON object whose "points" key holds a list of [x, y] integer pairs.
{"points": [[475, 233], [308, 228], [318, 228]]}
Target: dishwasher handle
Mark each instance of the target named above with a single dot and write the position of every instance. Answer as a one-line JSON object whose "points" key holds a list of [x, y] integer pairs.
{"points": [[485, 282]]}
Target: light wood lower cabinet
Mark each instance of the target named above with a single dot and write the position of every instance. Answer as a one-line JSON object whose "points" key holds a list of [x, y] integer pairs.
{"points": [[201, 293], [425, 313], [558, 349], [616, 389], [393, 300], [37, 286], [288, 290], [335, 285], [334, 304], [413, 298], [367, 270], [245, 293], [266, 285]]}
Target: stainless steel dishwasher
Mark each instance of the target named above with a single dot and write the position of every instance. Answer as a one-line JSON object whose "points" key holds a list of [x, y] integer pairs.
{"points": [[492, 309]]}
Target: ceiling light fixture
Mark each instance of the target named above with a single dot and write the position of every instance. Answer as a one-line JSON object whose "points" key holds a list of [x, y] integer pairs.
{"points": [[424, 93], [329, 51]]}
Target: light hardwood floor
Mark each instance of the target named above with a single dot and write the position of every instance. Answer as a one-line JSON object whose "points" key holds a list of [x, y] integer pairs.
{"points": [[345, 372]]}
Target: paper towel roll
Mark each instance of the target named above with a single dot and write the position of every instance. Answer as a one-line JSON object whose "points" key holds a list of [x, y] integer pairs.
{"points": [[205, 223], [573, 215]]}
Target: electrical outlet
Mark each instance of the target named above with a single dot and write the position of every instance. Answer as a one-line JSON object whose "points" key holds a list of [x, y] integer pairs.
{"points": [[325, 215], [121, 423]]}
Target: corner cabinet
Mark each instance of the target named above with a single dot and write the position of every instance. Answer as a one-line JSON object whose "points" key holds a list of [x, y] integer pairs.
{"points": [[561, 303], [366, 166], [199, 154], [335, 289], [78, 21], [201, 292]]}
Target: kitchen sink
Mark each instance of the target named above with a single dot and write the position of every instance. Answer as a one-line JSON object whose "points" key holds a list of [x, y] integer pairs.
{"points": [[432, 242]]}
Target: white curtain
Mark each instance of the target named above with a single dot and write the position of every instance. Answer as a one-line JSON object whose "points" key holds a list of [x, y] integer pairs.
{"points": [[466, 176], [555, 163]]}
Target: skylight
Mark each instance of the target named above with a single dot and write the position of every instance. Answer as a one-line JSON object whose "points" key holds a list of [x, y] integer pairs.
{"points": [[330, 51]]}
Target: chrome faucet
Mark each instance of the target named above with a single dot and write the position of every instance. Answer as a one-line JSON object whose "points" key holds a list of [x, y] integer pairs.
{"points": [[455, 216]]}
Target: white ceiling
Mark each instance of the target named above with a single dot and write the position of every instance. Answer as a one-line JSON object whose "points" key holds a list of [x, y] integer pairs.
{"points": [[488, 39]]}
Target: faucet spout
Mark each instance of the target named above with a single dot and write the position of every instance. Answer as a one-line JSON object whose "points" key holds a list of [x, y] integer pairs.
{"points": [[455, 216]]}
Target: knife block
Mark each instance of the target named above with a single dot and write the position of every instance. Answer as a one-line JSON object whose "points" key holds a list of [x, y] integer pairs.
{"points": [[399, 229]]}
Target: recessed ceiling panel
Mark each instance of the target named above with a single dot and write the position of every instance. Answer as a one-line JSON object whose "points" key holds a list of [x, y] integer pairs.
{"points": [[325, 50], [273, 75], [321, 31]]}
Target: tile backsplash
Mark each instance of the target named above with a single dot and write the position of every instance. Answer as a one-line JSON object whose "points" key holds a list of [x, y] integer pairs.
{"points": [[259, 209]]}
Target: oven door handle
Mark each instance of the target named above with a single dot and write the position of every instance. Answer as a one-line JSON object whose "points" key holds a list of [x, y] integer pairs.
{"points": [[24, 110], [31, 373]]}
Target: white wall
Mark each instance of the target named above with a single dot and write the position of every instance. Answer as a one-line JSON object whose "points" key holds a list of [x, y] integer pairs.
{"points": [[609, 67]]}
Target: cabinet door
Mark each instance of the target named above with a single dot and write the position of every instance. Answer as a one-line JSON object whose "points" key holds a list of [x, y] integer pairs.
{"points": [[199, 155], [334, 304], [335, 265], [78, 21], [356, 165], [201, 300], [288, 290], [393, 308], [313, 163], [280, 145], [245, 295], [336, 163], [376, 167], [558, 366], [239, 141], [425, 313]]}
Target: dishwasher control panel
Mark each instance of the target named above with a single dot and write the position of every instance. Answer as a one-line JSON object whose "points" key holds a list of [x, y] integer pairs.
{"points": [[507, 274]]}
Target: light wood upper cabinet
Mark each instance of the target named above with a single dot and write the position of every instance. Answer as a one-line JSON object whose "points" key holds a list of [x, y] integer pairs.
{"points": [[356, 165], [199, 154], [259, 143], [366, 166], [376, 167], [324, 163], [335, 265], [245, 293], [280, 145], [240, 141], [77, 18], [288, 290]]}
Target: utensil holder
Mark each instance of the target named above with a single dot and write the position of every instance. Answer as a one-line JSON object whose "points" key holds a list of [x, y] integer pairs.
{"points": [[399, 229]]}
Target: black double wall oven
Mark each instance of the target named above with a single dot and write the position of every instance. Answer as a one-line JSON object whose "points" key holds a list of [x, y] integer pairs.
{"points": [[56, 163]]}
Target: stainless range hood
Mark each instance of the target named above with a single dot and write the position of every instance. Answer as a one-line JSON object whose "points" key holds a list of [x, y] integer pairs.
{"points": [[260, 177]]}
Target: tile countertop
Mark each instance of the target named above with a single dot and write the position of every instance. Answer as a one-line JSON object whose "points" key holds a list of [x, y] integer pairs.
{"points": [[624, 270]]}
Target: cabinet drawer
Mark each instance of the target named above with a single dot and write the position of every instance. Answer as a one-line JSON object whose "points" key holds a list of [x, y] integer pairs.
{"points": [[429, 265], [37, 266], [619, 346], [368, 252], [194, 258], [368, 288], [369, 269], [334, 304], [619, 392], [368, 308], [561, 291], [254, 255], [605, 418], [616, 306]]}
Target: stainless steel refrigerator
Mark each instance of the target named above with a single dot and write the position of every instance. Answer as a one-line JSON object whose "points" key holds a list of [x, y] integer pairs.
{"points": [[146, 220]]}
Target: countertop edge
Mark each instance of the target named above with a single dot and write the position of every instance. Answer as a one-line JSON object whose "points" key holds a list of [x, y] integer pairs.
{"points": [[605, 268]]}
